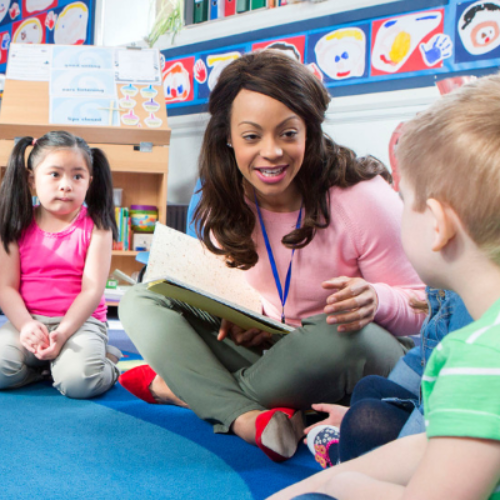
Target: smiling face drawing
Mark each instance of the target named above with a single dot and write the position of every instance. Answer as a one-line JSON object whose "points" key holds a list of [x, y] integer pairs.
{"points": [[341, 53], [71, 25], [37, 5], [218, 63], [4, 9], [176, 83], [397, 38], [479, 27], [29, 31]]}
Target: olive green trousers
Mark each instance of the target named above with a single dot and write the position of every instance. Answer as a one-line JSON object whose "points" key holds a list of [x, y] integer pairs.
{"points": [[221, 381]]}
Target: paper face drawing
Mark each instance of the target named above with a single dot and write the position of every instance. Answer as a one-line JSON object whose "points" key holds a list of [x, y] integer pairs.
{"points": [[4, 9], [176, 83], [71, 25], [218, 63], [397, 39], [341, 53], [29, 31], [479, 27], [37, 5]]}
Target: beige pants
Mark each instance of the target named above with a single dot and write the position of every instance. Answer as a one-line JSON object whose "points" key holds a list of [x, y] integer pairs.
{"points": [[81, 370]]}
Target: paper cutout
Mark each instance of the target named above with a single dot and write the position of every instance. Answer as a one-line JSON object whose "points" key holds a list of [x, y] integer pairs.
{"points": [[71, 25], [130, 90], [151, 106], [50, 20], [31, 6], [127, 103], [29, 31], [5, 43], [200, 71], [130, 118], [4, 8], [176, 83], [14, 11], [153, 121], [218, 63], [313, 68], [149, 91], [438, 48], [341, 54], [479, 27], [396, 39], [291, 46]]}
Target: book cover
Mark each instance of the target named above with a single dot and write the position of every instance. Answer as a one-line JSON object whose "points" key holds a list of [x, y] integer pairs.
{"points": [[180, 267]]}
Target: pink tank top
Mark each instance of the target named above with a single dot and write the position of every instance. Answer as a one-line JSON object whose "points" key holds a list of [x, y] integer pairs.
{"points": [[52, 267]]}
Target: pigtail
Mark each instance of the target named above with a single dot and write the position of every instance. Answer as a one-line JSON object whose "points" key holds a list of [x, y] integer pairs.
{"points": [[99, 199], [16, 206]]}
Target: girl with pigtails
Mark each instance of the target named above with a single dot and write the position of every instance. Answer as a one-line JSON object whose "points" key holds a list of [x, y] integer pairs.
{"points": [[54, 262]]}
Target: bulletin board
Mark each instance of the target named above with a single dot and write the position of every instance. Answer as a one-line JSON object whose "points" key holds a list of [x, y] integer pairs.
{"points": [[134, 114]]}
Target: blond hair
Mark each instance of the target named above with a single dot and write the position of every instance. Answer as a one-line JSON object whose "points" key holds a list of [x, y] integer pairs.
{"points": [[451, 152]]}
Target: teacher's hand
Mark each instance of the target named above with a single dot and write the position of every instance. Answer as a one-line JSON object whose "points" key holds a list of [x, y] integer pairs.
{"points": [[353, 305], [245, 338]]}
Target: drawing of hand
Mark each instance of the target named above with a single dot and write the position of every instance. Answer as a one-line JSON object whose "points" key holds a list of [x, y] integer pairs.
{"points": [[200, 71], [439, 47]]}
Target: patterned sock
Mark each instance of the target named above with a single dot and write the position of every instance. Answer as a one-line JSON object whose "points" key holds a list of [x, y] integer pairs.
{"points": [[323, 443]]}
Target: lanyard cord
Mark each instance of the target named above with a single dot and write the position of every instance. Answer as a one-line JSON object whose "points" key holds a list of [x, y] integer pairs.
{"points": [[283, 296]]}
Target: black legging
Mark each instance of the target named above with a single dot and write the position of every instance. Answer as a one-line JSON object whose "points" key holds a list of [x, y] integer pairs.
{"points": [[371, 422]]}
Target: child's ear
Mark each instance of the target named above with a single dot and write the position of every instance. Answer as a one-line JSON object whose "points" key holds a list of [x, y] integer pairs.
{"points": [[445, 223]]}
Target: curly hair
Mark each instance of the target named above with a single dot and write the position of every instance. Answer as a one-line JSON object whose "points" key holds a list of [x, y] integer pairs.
{"points": [[223, 219]]}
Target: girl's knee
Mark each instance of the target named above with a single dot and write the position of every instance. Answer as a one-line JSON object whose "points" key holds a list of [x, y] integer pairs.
{"points": [[11, 366]]}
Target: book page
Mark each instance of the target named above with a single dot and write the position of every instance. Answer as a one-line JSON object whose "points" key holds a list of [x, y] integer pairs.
{"points": [[186, 259]]}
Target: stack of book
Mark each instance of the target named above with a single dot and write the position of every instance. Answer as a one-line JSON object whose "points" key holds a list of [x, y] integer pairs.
{"points": [[124, 241]]}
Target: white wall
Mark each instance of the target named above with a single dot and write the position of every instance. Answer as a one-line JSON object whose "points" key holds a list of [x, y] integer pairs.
{"points": [[364, 123]]}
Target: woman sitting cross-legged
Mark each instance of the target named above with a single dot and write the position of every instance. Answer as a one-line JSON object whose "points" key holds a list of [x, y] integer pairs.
{"points": [[317, 231]]}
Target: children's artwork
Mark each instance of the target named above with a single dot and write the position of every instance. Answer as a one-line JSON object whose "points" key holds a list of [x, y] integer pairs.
{"points": [[218, 63], [395, 41], [77, 57], [30, 30], [130, 118], [31, 6], [200, 71], [129, 90], [71, 25], [4, 46], [151, 106], [83, 83], [82, 111], [14, 11], [4, 10], [127, 102], [291, 46], [149, 91], [341, 54], [478, 28], [178, 80], [153, 121]]}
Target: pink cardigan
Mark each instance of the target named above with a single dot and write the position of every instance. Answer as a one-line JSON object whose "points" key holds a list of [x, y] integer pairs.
{"points": [[363, 239]]}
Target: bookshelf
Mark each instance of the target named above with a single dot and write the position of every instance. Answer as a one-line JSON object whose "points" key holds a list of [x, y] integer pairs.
{"points": [[138, 156]]}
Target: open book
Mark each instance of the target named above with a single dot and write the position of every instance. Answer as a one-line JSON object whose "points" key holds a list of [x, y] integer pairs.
{"points": [[182, 269]]}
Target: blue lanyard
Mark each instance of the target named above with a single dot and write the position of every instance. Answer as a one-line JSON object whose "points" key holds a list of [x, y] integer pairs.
{"points": [[284, 296]]}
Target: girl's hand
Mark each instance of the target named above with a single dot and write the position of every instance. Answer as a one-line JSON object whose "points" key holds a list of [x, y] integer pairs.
{"points": [[356, 301], [335, 415], [34, 336], [57, 340], [245, 338]]}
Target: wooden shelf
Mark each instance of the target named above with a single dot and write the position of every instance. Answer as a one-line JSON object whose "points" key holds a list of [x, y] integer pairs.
{"points": [[130, 253]]}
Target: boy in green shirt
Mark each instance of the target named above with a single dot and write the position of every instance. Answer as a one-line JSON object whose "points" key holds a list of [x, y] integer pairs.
{"points": [[449, 157]]}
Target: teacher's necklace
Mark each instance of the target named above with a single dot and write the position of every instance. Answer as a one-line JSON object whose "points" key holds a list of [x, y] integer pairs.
{"points": [[283, 296]]}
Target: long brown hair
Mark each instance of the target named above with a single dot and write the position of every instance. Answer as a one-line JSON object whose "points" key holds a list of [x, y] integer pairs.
{"points": [[222, 213]]}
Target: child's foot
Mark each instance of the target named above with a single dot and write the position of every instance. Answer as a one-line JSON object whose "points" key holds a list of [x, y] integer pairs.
{"points": [[323, 442]]}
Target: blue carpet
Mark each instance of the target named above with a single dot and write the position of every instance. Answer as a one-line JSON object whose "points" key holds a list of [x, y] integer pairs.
{"points": [[118, 447]]}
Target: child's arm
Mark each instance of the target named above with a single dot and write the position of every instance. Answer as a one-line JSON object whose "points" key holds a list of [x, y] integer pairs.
{"points": [[33, 334], [94, 278], [457, 468]]}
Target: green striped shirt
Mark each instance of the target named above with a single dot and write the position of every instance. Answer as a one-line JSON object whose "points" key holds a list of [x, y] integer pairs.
{"points": [[461, 383]]}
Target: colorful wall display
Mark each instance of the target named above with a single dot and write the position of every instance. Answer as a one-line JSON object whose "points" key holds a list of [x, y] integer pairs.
{"points": [[403, 44], [63, 22]]}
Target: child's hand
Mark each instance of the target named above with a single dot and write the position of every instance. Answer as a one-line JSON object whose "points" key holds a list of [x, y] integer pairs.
{"points": [[34, 336], [57, 340], [335, 415], [246, 338], [356, 298]]}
